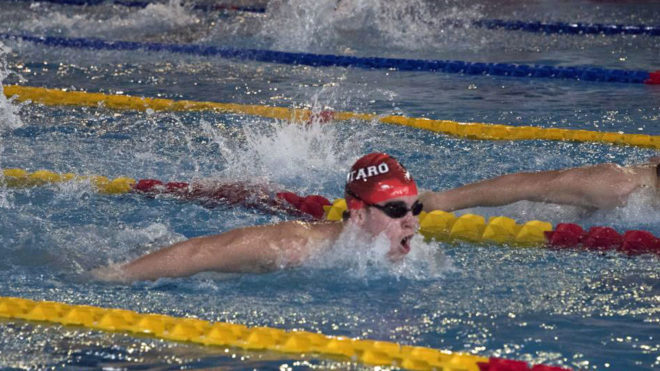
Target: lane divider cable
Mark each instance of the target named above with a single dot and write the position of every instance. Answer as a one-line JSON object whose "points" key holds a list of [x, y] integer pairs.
{"points": [[572, 28], [369, 352], [581, 73], [467, 130], [439, 225]]}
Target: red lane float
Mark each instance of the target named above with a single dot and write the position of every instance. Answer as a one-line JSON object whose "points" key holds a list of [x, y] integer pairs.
{"points": [[311, 205], [499, 364], [654, 78], [237, 193], [449, 226], [322, 117], [565, 235], [603, 238]]}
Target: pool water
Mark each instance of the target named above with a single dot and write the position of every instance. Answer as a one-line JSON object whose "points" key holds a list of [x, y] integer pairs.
{"points": [[571, 308]]}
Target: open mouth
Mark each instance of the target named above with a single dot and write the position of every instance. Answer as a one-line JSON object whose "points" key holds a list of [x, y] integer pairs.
{"points": [[405, 244]]}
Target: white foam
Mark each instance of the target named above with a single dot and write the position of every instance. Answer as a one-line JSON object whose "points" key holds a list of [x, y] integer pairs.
{"points": [[155, 19], [9, 117], [286, 153], [299, 24], [9, 120], [314, 24], [365, 257], [74, 190], [88, 246], [641, 208]]}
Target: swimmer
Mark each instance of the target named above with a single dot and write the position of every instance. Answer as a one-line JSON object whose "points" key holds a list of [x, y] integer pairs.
{"points": [[602, 186], [381, 197]]}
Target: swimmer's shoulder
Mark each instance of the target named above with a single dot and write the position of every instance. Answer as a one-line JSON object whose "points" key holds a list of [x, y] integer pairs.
{"points": [[640, 175], [311, 229], [646, 174]]}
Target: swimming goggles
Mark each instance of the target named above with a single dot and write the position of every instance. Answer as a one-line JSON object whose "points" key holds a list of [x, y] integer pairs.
{"points": [[393, 209]]}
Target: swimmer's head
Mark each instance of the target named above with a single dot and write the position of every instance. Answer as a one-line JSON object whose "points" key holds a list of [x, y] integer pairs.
{"points": [[375, 178], [381, 196]]}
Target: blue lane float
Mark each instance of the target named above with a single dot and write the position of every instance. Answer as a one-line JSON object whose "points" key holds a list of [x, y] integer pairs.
{"points": [[568, 28], [581, 73]]}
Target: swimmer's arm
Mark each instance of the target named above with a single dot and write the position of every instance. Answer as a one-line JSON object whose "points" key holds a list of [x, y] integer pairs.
{"points": [[252, 249], [546, 186]]}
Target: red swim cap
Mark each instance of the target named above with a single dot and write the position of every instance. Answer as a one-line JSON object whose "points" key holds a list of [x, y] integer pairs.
{"points": [[375, 178]]}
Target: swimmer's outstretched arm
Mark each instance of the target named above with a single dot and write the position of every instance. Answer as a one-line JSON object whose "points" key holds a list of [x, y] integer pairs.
{"points": [[599, 186], [498, 191], [250, 249]]}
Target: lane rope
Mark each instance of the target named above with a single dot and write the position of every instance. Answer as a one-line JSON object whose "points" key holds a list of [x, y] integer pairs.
{"points": [[369, 352], [594, 74], [245, 194], [573, 28], [501, 230], [439, 225], [469, 130]]}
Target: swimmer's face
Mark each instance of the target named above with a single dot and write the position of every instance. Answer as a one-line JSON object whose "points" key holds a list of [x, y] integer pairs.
{"points": [[399, 230]]}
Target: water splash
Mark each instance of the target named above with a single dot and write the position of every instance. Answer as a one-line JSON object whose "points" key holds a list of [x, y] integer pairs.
{"points": [[290, 154], [89, 246], [363, 257], [313, 154], [299, 24], [9, 120], [641, 211], [154, 20], [412, 25]]}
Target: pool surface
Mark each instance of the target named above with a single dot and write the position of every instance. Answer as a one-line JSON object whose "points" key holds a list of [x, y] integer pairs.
{"points": [[571, 308]]}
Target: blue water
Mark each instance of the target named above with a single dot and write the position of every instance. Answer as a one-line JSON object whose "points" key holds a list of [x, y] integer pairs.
{"points": [[571, 308]]}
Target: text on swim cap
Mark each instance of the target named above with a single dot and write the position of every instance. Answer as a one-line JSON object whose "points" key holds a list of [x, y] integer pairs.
{"points": [[367, 172]]}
